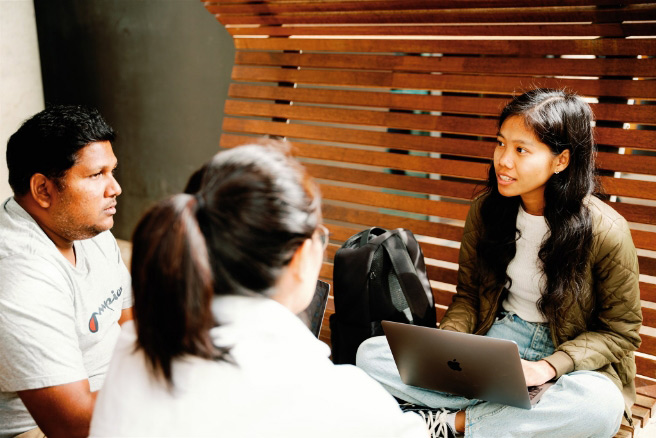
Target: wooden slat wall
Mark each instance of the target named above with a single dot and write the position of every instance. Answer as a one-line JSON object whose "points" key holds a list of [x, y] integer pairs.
{"points": [[392, 106]]}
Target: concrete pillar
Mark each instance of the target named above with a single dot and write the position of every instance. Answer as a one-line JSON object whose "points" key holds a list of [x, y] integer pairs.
{"points": [[21, 93], [158, 71]]}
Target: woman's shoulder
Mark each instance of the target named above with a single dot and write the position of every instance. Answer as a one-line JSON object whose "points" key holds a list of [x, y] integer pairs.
{"points": [[611, 234], [475, 206], [604, 218]]}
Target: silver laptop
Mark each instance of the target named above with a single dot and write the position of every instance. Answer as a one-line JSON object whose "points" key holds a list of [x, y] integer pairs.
{"points": [[472, 366]]}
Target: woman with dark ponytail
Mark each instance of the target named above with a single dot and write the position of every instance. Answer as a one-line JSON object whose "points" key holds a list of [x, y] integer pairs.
{"points": [[545, 263], [219, 275]]}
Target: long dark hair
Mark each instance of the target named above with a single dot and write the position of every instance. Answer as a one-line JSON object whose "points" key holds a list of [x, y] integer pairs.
{"points": [[561, 120], [247, 212]]}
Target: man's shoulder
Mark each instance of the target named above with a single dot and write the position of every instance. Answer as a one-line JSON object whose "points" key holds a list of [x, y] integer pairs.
{"points": [[19, 233]]}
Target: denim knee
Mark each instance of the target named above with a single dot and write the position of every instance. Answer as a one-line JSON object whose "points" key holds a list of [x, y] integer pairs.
{"points": [[582, 404], [602, 406], [371, 352]]}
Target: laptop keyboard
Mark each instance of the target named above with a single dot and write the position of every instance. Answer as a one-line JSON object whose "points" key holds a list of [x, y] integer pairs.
{"points": [[536, 392], [533, 391]]}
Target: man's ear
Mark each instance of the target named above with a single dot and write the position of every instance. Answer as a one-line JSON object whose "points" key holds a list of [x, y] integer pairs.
{"points": [[41, 188], [563, 160]]}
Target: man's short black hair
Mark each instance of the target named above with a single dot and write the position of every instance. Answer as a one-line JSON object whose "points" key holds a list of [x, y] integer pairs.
{"points": [[49, 142]]}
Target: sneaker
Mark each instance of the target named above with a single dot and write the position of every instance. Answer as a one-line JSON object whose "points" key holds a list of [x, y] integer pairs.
{"points": [[435, 419], [437, 423]]}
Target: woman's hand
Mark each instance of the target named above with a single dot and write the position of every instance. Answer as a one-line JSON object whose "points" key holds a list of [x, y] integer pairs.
{"points": [[537, 373]]}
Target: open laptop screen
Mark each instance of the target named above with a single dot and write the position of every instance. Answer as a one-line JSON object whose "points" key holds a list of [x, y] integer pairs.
{"points": [[314, 313]]}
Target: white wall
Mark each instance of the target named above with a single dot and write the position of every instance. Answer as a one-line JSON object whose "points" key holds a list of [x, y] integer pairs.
{"points": [[21, 92]]}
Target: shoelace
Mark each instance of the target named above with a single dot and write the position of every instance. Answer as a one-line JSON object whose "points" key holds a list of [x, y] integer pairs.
{"points": [[437, 423]]}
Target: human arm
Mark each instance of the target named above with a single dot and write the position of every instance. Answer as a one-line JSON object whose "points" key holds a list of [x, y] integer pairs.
{"points": [[613, 332], [462, 313], [126, 315], [126, 311], [62, 410], [537, 373], [43, 333]]}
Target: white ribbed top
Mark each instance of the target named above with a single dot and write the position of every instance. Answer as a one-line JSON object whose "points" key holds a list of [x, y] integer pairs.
{"points": [[525, 270]]}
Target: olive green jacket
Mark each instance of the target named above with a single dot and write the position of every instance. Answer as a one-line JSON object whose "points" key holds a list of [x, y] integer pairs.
{"points": [[604, 342]]}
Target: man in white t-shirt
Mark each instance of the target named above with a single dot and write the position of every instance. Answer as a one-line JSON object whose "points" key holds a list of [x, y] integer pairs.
{"points": [[64, 289]]}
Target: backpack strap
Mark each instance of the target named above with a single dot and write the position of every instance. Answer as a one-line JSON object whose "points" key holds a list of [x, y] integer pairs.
{"points": [[365, 235], [406, 273]]}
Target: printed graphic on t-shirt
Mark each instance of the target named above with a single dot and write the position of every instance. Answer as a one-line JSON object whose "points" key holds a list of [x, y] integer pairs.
{"points": [[93, 321]]}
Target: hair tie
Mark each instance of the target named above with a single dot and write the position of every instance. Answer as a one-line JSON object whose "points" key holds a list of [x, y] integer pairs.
{"points": [[200, 201]]}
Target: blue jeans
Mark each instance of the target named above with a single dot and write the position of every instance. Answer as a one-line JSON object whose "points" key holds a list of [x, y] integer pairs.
{"points": [[580, 404]]}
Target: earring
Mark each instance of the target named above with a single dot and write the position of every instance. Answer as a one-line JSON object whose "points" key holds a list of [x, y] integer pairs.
{"points": [[556, 173]]}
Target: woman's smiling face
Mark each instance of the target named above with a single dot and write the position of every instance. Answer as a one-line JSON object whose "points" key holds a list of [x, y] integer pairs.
{"points": [[523, 164]]}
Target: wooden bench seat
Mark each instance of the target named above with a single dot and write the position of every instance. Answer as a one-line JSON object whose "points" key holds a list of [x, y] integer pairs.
{"points": [[393, 105]]}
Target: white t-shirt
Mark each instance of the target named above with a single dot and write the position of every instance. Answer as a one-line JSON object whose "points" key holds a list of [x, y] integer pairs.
{"points": [[58, 322], [528, 279], [282, 385]]}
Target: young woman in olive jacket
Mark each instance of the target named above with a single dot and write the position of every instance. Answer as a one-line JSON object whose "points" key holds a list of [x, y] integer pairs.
{"points": [[544, 263]]}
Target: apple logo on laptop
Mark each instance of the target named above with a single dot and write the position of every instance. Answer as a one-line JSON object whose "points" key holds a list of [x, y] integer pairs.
{"points": [[453, 364]]}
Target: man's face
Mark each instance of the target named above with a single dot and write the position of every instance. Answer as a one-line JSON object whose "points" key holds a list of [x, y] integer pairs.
{"points": [[85, 203]]}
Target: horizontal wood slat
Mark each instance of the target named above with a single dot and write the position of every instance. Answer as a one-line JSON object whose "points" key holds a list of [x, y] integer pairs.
{"points": [[648, 317], [647, 344], [530, 48], [451, 189], [439, 252], [645, 387], [645, 366], [642, 214], [394, 202], [280, 7], [644, 239], [647, 266], [644, 89], [442, 4], [626, 163], [629, 187], [370, 218], [483, 106], [447, 64], [356, 136], [488, 15], [647, 291], [619, 30], [647, 402]]}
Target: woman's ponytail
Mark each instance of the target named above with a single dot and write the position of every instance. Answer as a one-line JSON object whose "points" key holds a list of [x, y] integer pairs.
{"points": [[172, 284]]}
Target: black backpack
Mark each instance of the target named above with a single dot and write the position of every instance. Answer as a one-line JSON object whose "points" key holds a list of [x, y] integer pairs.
{"points": [[377, 275]]}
